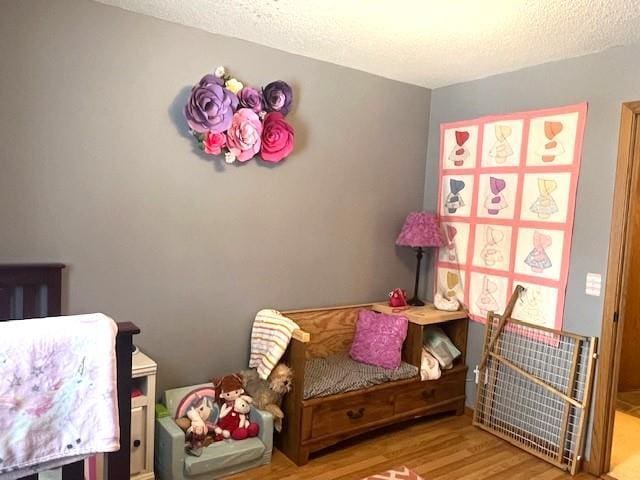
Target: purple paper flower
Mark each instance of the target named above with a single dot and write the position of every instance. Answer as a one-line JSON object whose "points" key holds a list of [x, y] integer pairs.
{"points": [[277, 97], [250, 98], [209, 79], [210, 107]]}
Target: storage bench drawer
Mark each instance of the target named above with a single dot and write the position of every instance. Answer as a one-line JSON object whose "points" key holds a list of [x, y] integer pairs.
{"points": [[425, 394], [343, 415]]}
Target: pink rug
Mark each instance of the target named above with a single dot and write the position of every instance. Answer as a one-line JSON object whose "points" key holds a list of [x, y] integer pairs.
{"points": [[400, 473]]}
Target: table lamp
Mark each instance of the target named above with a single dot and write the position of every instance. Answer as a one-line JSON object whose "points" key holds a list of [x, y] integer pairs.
{"points": [[420, 230]]}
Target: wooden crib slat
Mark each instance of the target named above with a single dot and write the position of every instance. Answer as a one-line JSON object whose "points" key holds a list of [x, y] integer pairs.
{"points": [[5, 304], [54, 293], [30, 301], [73, 471]]}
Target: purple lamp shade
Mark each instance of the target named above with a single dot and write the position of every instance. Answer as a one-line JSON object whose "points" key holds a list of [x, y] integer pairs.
{"points": [[421, 229]]}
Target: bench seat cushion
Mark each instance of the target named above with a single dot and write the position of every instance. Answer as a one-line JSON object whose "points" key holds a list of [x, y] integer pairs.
{"points": [[339, 373]]}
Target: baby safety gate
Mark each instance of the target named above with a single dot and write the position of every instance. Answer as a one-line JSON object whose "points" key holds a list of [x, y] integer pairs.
{"points": [[535, 386]]}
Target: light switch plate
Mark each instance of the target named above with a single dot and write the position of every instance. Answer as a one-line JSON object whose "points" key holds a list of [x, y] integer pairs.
{"points": [[594, 284]]}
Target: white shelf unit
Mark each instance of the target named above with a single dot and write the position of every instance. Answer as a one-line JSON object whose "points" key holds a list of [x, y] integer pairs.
{"points": [[143, 372]]}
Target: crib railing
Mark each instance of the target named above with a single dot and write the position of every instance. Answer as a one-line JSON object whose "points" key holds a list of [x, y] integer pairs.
{"points": [[35, 290], [30, 290]]}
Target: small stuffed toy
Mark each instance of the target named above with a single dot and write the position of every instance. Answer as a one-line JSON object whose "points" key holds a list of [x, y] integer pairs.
{"points": [[397, 298], [268, 394], [446, 304], [233, 421], [228, 389], [197, 431]]}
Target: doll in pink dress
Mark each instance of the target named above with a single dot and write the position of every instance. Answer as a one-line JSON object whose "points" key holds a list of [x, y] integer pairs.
{"points": [[501, 150], [496, 201], [460, 152], [486, 302], [491, 253], [538, 259]]}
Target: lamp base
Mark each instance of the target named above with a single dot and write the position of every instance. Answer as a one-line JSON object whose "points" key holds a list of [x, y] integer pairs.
{"points": [[416, 302]]}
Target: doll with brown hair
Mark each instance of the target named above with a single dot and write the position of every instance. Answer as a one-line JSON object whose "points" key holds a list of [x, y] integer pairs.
{"points": [[228, 388]]}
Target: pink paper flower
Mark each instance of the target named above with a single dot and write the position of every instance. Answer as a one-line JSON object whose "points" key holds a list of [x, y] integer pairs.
{"points": [[212, 143], [243, 136], [277, 138]]}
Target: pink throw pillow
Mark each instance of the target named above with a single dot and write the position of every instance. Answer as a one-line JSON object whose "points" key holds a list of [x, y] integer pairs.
{"points": [[378, 339]]}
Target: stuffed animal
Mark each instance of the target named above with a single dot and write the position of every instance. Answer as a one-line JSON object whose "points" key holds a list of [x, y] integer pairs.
{"points": [[446, 304], [397, 298], [195, 399], [228, 389], [267, 394], [233, 421], [197, 431]]}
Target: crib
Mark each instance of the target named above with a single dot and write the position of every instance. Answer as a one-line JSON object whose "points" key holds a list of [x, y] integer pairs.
{"points": [[35, 290]]}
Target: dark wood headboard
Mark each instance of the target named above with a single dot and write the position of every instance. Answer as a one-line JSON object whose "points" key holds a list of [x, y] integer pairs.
{"points": [[30, 290], [35, 290]]}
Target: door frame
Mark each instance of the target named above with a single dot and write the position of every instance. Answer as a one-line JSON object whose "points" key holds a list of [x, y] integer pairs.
{"points": [[626, 183]]}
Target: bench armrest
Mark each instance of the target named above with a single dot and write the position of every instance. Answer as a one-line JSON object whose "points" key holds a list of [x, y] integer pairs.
{"points": [[301, 335]]}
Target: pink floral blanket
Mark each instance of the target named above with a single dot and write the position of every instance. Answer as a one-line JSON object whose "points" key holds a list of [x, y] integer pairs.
{"points": [[58, 399]]}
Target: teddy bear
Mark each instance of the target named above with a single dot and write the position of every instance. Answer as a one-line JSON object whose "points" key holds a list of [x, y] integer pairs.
{"points": [[233, 421]]}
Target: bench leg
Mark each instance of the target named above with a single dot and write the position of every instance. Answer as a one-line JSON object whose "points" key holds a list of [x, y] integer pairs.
{"points": [[302, 458]]}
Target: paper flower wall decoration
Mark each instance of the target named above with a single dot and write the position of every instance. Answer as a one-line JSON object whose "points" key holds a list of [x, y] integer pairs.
{"points": [[240, 122]]}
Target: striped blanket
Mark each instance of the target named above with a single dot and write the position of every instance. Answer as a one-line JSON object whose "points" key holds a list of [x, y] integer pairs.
{"points": [[270, 337]]}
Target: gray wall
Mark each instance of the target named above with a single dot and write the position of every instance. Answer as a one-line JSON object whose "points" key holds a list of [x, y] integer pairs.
{"points": [[97, 172], [605, 80]]}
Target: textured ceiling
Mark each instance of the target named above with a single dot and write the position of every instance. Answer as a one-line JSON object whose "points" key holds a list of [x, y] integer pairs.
{"points": [[431, 43]]}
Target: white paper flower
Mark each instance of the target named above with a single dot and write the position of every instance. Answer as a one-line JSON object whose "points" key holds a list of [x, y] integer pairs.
{"points": [[234, 85], [220, 71], [229, 157]]}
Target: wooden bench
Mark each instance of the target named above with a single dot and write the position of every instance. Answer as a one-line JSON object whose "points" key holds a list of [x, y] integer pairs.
{"points": [[313, 424]]}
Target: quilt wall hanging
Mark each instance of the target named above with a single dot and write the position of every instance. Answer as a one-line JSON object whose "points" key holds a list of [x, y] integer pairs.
{"points": [[506, 201], [240, 122]]}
